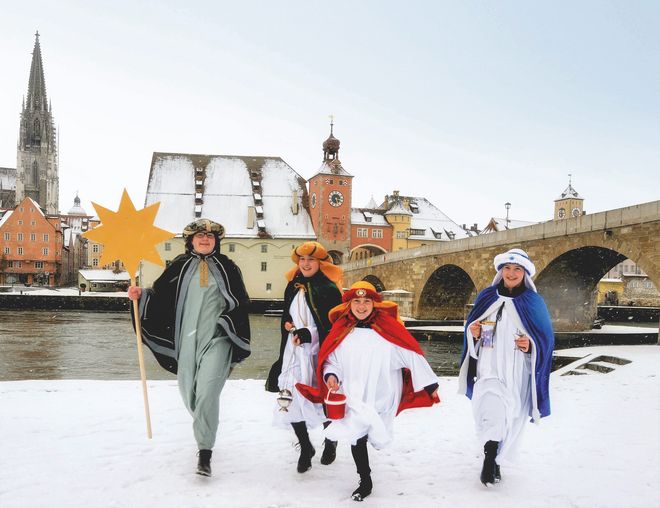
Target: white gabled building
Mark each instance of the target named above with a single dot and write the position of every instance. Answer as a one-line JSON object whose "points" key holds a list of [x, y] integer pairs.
{"points": [[261, 202]]}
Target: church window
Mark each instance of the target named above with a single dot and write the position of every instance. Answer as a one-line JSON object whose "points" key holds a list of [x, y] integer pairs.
{"points": [[33, 237], [377, 233], [37, 128], [33, 176]]}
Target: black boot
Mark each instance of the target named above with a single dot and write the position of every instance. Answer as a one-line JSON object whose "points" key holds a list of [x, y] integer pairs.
{"points": [[329, 452], [498, 474], [490, 466], [329, 449], [204, 462], [361, 458], [306, 449]]}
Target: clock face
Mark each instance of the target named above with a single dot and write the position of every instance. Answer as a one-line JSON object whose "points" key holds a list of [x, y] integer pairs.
{"points": [[336, 198], [561, 213], [314, 200], [575, 212]]}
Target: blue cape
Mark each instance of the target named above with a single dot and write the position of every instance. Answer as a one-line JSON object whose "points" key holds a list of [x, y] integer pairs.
{"points": [[535, 318]]}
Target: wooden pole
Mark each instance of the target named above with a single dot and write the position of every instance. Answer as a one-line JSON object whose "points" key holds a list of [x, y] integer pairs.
{"points": [[143, 376]]}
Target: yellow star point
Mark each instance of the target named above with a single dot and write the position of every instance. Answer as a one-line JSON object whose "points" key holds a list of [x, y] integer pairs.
{"points": [[128, 234]]}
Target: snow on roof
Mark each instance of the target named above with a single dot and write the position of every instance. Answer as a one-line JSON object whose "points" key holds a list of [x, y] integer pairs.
{"points": [[432, 220], [332, 167], [372, 203], [511, 224], [228, 194], [104, 275], [5, 217], [398, 209], [8, 178], [569, 192], [359, 216]]}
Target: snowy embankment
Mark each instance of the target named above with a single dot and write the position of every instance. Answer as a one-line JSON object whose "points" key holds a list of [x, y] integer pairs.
{"points": [[83, 444]]}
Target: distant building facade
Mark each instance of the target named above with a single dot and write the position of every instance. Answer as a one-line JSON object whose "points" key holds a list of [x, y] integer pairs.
{"points": [[261, 202]]}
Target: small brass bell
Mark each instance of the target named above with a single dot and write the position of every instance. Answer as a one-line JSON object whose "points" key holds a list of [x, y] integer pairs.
{"points": [[284, 399]]}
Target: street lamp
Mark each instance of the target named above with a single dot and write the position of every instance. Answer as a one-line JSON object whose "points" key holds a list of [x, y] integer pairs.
{"points": [[507, 205]]}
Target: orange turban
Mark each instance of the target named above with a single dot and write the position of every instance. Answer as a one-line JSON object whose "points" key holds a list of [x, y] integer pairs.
{"points": [[318, 251]]}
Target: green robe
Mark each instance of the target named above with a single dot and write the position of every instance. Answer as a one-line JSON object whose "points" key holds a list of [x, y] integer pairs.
{"points": [[204, 357]]}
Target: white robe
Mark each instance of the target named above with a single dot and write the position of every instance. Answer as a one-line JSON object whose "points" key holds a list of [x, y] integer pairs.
{"points": [[299, 366], [502, 398], [369, 370]]}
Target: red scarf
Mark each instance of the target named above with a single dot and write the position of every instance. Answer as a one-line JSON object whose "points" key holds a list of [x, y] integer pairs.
{"points": [[389, 328]]}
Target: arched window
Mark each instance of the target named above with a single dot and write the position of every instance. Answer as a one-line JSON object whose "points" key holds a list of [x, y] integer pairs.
{"points": [[37, 128], [33, 176]]}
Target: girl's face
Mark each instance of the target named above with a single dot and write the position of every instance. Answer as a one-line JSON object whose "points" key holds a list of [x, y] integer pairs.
{"points": [[362, 307], [203, 242], [512, 275], [308, 265]]}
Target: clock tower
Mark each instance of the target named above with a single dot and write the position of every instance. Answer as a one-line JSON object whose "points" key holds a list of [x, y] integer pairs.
{"points": [[569, 204], [330, 201]]}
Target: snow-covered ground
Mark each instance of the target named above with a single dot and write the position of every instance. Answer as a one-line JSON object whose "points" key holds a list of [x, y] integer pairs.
{"points": [[83, 444]]}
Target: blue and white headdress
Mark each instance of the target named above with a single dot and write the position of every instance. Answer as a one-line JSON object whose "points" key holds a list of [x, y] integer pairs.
{"points": [[516, 257]]}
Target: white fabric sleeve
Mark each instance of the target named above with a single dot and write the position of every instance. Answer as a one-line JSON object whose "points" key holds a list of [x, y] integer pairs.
{"points": [[420, 370], [332, 366]]}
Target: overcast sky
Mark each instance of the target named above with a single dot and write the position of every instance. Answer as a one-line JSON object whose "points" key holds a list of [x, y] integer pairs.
{"points": [[468, 103]]}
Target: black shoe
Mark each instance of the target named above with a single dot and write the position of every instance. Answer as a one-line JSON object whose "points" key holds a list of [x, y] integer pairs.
{"points": [[329, 452], [364, 489], [204, 462], [489, 467], [305, 459], [498, 475]]}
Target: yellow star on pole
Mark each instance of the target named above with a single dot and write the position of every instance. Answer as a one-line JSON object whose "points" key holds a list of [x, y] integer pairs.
{"points": [[128, 234]]}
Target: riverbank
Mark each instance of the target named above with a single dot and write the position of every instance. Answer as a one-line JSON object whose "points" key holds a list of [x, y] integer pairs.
{"points": [[68, 441]]}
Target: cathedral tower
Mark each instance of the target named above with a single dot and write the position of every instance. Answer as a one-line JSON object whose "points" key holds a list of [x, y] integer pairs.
{"points": [[36, 164]]}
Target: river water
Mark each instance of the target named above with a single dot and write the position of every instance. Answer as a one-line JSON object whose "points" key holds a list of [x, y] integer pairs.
{"points": [[102, 345]]}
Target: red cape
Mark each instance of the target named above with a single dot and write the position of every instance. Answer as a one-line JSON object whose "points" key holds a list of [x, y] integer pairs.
{"points": [[383, 321]]}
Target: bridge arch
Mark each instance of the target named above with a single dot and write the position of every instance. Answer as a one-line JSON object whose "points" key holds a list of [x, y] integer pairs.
{"points": [[375, 281], [446, 292], [337, 257], [569, 283], [365, 250]]}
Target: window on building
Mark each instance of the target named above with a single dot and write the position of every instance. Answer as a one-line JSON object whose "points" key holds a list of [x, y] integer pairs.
{"points": [[264, 266], [19, 237], [362, 232], [95, 262], [33, 223], [401, 235], [44, 251], [231, 247], [20, 222], [95, 247], [269, 286], [264, 248], [377, 233], [7, 236], [10, 264], [19, 251], [38, 264], [33, 237], [168, 246], [45, 237], [7, 250]]}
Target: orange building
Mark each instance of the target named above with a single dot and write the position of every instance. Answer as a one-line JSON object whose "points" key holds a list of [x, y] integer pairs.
{"points": [[30, 245]]}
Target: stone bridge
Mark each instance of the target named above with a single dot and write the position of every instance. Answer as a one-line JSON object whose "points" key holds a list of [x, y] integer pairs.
{"points": [[570, 255]]}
